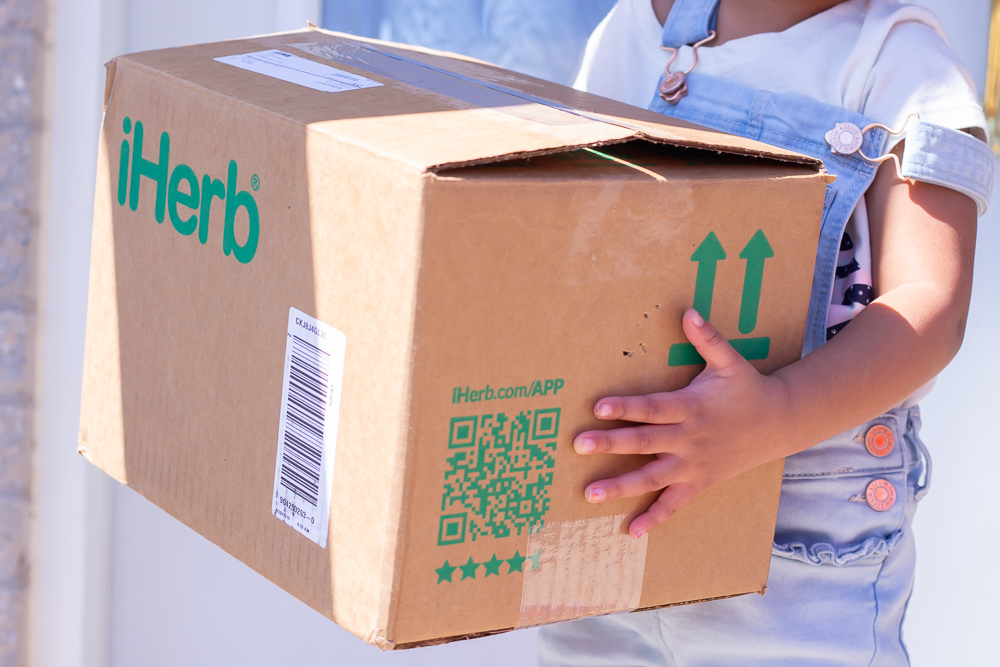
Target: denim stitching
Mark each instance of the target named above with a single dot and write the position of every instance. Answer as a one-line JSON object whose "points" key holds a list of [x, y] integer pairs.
{"points": [[854, 472], [685, 22], [951, 159], [914, 434], [946, 163], [875, 617], [856, 190], [789, 140], [902, 621], [656, 629], [755, 119], [817, 310], [902, 522], [979, 196]]}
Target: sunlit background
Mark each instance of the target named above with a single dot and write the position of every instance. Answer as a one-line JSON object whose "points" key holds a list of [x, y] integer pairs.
{"points": [[109, 579]]}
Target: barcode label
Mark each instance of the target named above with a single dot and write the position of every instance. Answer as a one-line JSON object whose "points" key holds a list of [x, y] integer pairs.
{"points": [[295, 69], [307, 432]]}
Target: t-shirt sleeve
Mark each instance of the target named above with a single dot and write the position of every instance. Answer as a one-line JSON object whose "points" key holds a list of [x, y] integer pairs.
{"points": [[916, 71]]}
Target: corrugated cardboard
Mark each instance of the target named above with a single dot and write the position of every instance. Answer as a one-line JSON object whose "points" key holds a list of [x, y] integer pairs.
{"points": [[499, 253]]}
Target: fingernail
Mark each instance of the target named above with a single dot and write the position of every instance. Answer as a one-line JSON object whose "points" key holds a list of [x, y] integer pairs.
{"points": [[603, 410], [697, 319], [596, 495], [585, 446], [639, 533]]}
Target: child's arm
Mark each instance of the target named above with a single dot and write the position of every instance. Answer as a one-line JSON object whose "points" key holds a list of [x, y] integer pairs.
{"points": [[731, 418]]}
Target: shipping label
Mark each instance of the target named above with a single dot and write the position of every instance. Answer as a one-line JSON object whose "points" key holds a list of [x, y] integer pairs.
{"points": [[298, 70], [307, 432]]}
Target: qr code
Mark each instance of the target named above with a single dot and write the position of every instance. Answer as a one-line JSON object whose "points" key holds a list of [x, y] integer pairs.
{"points": [[498, 476]]}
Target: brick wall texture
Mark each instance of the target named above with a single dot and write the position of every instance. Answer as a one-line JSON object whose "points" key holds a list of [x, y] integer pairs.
{"points": [[21, 86]]}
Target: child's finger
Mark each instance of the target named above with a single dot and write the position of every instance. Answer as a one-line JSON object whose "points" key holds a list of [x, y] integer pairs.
{"points": [[651, 477], [711, 345], [628, 440], [660, 408], [672, 499]]}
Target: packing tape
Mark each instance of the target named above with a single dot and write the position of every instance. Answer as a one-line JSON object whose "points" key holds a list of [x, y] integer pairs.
{"points": [[581, 568], [348, 53], [445, 82]]}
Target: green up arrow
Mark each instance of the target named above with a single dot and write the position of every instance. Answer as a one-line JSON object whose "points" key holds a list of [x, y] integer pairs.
{"points": [[708, 254], [757, 250]]}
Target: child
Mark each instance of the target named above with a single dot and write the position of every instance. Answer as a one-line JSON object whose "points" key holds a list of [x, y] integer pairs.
{"points": [[827, 78]]}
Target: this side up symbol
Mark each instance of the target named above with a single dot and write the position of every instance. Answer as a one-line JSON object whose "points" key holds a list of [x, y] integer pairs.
{"points": [[707, 256]]}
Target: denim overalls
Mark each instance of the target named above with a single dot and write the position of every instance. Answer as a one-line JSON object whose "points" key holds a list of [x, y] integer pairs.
{"points": [[843, 556]]}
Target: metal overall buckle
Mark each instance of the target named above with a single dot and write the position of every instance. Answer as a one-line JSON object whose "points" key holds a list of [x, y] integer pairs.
{"points": [[674, 85], [846, 139]]}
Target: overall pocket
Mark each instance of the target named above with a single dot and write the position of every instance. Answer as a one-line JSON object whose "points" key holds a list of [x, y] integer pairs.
{"points": [[845, 501]]}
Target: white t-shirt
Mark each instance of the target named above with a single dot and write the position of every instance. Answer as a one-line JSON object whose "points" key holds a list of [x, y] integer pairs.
{"points": [[880, 58]]}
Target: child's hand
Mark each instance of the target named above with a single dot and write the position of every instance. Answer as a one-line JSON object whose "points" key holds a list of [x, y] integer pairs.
{"points": [[731, 418], [727, 421]]}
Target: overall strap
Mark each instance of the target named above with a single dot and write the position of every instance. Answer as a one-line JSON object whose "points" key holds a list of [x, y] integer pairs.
{"points": [[689, 21], [950, 158]]}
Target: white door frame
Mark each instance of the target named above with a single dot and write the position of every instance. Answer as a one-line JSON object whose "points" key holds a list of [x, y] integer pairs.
{"points": [[67, 620], [70, 573], [293, 14]]}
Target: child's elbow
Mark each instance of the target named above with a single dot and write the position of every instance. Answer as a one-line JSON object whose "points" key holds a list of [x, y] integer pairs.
{"points": [[958, 336], [953, 335]]}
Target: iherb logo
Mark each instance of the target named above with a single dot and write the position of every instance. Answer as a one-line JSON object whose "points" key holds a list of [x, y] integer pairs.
{"points": [[179, 192]]}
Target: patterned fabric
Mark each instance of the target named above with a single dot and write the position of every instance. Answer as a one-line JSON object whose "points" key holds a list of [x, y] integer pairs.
{"points": [[852, 289]]}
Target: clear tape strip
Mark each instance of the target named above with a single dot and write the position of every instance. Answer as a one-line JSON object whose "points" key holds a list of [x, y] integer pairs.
{"points": [[445, 82], [584, 567]]}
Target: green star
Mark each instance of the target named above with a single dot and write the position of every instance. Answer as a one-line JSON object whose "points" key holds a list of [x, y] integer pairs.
{"points": [[516, 564], [444, 572], [493, 566], [534, 559], [469, 569]]}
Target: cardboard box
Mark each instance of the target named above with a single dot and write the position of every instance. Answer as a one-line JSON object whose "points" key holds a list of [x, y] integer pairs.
{"points": [[485, 255]]}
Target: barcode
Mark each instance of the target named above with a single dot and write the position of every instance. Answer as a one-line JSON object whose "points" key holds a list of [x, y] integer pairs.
{"points": [[307, 430], [305, 415]]}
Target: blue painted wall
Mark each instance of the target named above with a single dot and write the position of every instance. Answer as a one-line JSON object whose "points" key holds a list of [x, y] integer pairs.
{"points": [[544, 38]]}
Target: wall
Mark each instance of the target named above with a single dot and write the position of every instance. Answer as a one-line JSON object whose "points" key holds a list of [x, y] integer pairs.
{"points": [[68, 614], [21, 57]]}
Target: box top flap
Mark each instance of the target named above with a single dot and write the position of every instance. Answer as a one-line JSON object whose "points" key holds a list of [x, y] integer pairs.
{"points": [[423, 108]]}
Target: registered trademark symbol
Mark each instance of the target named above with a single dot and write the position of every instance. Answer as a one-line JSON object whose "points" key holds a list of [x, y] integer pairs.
{"points": [[255, 182]]}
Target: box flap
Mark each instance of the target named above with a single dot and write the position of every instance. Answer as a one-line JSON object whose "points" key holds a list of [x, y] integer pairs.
{"points": [[644, 123], [459, 111]]}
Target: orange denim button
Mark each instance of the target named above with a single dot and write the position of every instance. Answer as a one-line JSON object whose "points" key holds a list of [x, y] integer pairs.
{"points": [[879, 440], [881, 495]]}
